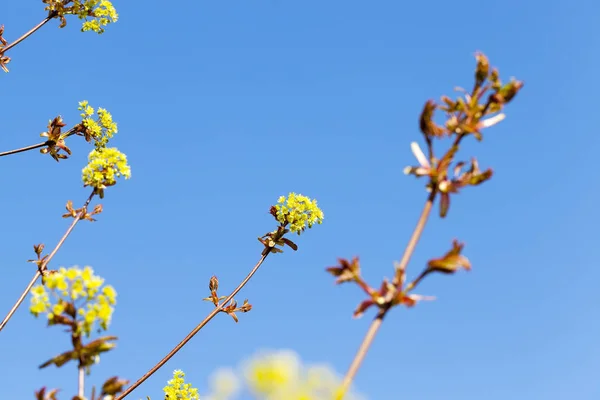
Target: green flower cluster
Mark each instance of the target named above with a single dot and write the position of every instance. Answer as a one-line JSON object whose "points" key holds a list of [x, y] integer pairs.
{"points": [[74, 296], [298, 211], [177, 389]]}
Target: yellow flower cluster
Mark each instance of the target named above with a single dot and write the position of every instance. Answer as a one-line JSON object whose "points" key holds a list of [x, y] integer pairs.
{"points": [[281, 375], [102, 12], [101, 129], [277, 375], [177, 389], [76, 291], [298, 211], [104, 167]]}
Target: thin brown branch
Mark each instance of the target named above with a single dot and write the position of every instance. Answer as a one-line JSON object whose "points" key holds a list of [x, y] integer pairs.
{"points": [[376, 324], [44, 265], [28, 33], [22, 149], [35, 146], [194, 331]]}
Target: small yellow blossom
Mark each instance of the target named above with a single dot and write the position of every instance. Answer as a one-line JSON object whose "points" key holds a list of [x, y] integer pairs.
{"points": [[101, 11], [225, 384], [104, 167], [298, 211], [101, 129], [177, 389], [96, 13], [270, 373], [40, 301], [72, 284]]}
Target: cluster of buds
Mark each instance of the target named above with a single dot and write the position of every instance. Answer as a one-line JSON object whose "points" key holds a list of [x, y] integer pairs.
{"points": [[397, 292], [56, 140], [73, 213], [229, 309], [276, 238], [467, 115], [40, 261], [3, 59]]}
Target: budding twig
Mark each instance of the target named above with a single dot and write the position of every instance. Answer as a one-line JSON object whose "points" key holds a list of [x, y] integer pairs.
{"points": [[29, 32], [44, 265], [466, 116], [376, 324], [37, 146], [201, 325]]}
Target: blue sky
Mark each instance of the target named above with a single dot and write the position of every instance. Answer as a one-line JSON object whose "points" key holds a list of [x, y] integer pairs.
{"points": [[224, 106]]}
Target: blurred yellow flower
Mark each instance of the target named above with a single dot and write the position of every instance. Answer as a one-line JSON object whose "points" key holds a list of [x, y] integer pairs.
{"points": [[270, 375], [65, 287]]}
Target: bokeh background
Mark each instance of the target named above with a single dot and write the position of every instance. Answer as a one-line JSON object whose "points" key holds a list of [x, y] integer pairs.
{"points": [[224, 106]]}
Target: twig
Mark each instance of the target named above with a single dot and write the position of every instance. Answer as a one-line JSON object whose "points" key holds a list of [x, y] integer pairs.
{"points": [[44, 265], [22, 149], [28, 33], [35, 146], [193, 332], [376, 324], [81, 382]]}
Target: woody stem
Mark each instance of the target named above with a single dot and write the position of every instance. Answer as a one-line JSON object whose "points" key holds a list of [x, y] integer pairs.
{"points": [[376, 324]]}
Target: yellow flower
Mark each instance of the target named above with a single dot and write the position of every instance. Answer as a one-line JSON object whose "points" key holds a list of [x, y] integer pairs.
{"points": [[281, 375], [104, 167], [101, 11], [101, 129], [177, 389], [69, 285], [40, 301], [298, 211], [270, 373], [225, 384]]}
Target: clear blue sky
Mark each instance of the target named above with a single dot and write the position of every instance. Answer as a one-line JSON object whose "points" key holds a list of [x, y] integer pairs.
{"points": [[224, 106]]}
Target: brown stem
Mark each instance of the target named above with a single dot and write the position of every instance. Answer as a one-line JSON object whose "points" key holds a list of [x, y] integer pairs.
{"points": [[44, 265], [194, 331], [22, 149], [35, 146], [28, 33], [376, 324]]}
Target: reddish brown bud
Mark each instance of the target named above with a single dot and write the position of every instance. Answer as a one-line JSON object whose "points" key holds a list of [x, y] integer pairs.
{"points": [[482, 70], [428, 127], [451, 262], [213, 284], [346, 271]]}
